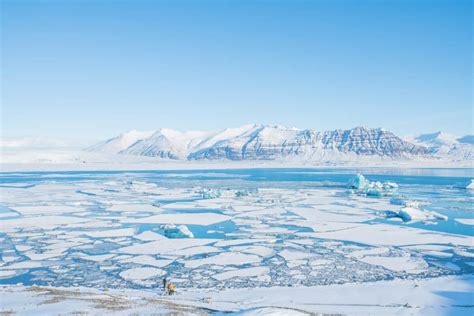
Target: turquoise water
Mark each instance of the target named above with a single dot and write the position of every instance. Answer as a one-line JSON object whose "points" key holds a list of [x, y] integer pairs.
{"points": [[442, 188]]}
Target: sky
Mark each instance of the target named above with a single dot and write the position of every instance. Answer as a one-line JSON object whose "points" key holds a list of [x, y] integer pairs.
{"points": [[93, 69]]}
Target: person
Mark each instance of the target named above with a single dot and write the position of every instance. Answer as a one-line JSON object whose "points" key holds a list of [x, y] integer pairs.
{"points": [[170, 288], [164, 284]]}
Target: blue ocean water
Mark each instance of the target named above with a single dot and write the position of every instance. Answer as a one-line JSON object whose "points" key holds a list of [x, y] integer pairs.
{"points": [[443, 189]]}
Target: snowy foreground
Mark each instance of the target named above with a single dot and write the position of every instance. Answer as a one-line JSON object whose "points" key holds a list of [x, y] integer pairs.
{"points": [[234, 242], [440, 296]]}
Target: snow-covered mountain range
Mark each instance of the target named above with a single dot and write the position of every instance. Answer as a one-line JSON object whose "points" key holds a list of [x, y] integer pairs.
{"points": [[266, 142]]}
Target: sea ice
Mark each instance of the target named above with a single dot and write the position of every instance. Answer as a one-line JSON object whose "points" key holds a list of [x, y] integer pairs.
{"points": [[398, 264], [412, 214], [163, 246], [241, 273], [256, 250], [209, 193], [140, 274], [127, 232], [192, 251], [465, 221], [147, 261], [226, 258], [173, 231], [187, 219], [149, 236], [470, 186]]}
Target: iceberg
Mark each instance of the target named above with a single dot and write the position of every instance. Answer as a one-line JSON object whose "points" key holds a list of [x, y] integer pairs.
{"points": [[207, 194], [173, 231], [362, 186], [358, 182]]}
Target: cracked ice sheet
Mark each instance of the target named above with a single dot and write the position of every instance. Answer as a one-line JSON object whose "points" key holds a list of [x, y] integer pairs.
{"points": [[227, 258], [186, 219], [46, 209], [139, 274], [188, 252], [335, 214], [392, 235], [134, 208], [256, 250], [147, 261], [399, 264], [233, 242], [124, 232], [149, 236], [42, 222], [242, 273], [163, 246]]}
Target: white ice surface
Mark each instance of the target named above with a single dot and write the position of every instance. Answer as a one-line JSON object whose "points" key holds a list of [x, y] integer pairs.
{"points": [[141, 273], [164, 246], [126, 232], [406, 264], [187, 219], [227, 258], [241, 273]]}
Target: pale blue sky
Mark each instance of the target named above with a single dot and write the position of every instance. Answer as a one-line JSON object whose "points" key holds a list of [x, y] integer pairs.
{"points": [[91, 69]]}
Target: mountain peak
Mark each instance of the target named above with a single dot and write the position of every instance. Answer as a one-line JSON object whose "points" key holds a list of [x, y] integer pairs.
{"points": [[270, 142]]}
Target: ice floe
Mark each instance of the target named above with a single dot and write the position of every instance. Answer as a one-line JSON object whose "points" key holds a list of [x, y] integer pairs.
{"points": [[139, 274], [241, 273], [227, 258], [127, 232], [187, 219], [173, 231]]}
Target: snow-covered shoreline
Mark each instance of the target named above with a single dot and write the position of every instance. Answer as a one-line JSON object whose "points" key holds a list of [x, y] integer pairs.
{"points": [[449, 295], [214, 165]]}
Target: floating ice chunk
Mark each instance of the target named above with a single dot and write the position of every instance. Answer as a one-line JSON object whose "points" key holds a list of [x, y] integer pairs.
{"points": [[363, 186], [463, 252], [358, 182], [470, 186], [44, 255], [241, 273], [127, 232], [9, 258], [23, 265], [209, 193], [7, 274], [173, 231], [294, 255], [140, 274], [413, 214], [148, 261], [241, 193], [149, 236], [465, 221], [398, 264], [96, 258], [187, 219], [271, 311], [256, 250], [404, 201], [164, 246], [187, 252], [369, 251], [227, 258]]}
